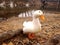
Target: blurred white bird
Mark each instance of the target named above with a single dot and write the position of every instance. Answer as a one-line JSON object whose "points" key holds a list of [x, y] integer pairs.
{"points": [[33, 27], [11, 4], [27, 5], [2, 4]]}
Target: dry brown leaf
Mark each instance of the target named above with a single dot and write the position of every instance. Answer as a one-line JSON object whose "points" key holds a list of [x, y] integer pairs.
{"points": [[10, 43], [4, 44]]}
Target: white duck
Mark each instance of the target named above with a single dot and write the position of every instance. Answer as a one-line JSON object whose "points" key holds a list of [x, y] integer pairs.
{"points": [[33, 27]]}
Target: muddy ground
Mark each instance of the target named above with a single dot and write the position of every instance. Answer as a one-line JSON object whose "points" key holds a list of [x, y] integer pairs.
{"points": [[50, 27]]}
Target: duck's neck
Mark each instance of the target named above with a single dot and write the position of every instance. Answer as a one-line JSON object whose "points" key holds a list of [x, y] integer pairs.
{"points": [[36, 20]]}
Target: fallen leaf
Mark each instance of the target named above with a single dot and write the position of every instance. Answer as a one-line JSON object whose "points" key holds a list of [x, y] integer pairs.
{"points": [[4, 44], [10, 43]]}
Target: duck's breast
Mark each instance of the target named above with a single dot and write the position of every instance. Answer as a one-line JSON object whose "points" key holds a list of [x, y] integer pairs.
{"points": [[28, 27]]}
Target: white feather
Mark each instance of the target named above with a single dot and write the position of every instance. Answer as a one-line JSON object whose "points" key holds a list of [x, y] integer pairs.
{"points": [[33, 26]]}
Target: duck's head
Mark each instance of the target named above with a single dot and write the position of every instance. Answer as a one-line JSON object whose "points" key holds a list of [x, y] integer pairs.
{"points": [[39, 14]]}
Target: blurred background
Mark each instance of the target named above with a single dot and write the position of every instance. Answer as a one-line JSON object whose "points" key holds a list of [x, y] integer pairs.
{"points": [[10, 8], [14, 12]]}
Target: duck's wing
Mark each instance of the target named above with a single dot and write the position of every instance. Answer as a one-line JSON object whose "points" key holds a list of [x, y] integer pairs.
{"points": [[28, 24]]}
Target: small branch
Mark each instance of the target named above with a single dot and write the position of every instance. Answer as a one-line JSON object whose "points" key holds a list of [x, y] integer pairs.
{"points": [[9, 34]]}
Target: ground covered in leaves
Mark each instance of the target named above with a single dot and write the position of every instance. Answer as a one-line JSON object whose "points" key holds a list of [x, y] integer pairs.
{"points": [[50, 28]]}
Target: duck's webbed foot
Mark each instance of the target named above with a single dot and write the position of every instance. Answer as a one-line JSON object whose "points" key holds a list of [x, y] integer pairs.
{"points": [[31, 35]]}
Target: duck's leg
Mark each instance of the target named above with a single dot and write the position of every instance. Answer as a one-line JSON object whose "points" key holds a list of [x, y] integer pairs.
{"points": [[31, 35]]}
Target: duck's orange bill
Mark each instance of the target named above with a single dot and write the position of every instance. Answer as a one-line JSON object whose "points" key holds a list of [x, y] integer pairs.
{"points": [[42, 17], [31, 35]]}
